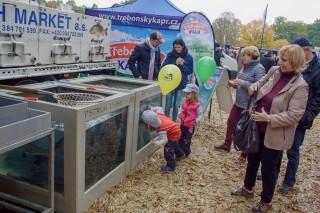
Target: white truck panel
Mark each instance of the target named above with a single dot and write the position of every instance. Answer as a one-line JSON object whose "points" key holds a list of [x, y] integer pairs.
{"points": [[95, 44], [59, 41], [36, 41], [7, 60], [18, 30]]}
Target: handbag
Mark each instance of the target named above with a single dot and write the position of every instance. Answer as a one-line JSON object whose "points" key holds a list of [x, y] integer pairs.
{"points": [[246, 134]]}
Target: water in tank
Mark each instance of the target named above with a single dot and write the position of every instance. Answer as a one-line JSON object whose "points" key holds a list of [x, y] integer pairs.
{"points": [[105, 145], [57, 89], [116, 83], [29, 163], [144, 136]]}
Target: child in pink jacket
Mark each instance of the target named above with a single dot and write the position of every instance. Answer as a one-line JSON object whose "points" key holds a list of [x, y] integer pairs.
{"points": [[190, 116]]}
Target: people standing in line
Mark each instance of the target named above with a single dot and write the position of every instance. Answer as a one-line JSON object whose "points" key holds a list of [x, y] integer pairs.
{"points": [[190, 115], [180, 57], [169, 134], [311, 74], [281, 101], [268, 61], [251, 72], [217, 54], [144, 62]]}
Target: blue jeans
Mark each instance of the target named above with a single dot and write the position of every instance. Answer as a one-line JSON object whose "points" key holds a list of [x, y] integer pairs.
{"points": [[293, 155], [173, 100]]}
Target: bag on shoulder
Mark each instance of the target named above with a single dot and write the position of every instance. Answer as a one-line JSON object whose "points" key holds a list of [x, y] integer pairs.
{"points": [[246, 134]]}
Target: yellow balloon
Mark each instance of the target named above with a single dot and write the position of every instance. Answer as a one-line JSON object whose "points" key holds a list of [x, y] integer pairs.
{"points": [[169, 78]]}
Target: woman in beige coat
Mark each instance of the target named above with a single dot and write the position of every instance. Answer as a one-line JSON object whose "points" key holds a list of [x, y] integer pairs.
{"points": [[281, 102]]}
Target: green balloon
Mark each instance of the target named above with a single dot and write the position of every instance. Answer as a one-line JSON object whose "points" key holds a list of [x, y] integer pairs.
{"points": [[205, 68]]}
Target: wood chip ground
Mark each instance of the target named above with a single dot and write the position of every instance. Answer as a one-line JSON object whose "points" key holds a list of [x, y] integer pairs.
{"points": [[203, 182]]}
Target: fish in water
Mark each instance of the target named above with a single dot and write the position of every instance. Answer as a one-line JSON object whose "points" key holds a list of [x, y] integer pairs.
{"points": [[98, 30]]}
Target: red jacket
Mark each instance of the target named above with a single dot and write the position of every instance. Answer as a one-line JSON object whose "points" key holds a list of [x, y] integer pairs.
{"points": [[172, 128]]}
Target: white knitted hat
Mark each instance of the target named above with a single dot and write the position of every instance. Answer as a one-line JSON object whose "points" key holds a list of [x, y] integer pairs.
{"points": [[151, 118]]}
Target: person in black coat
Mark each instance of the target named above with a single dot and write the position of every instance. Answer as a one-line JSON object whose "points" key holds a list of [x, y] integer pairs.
{"points": [[268, 61], [217, 54], [144, 62]]}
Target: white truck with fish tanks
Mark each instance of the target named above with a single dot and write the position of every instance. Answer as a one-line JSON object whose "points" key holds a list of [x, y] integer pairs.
{"points": [[39, 43]]}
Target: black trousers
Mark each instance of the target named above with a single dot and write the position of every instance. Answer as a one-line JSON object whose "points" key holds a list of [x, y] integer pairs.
{"points": [[268, 159], [172, 148], [185, 140]]}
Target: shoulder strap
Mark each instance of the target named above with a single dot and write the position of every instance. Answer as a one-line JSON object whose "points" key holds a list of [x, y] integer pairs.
{"points": [[252, 100]]}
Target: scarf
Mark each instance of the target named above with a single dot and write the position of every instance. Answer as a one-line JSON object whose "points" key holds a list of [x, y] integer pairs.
{"points": [[152, 59]]}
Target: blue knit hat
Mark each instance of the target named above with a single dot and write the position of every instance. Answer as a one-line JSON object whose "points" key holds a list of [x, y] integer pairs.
{"points": [[302, 42]]}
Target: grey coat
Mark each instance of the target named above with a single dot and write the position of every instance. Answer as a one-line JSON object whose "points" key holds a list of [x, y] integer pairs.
{"points": [[251, 74]]}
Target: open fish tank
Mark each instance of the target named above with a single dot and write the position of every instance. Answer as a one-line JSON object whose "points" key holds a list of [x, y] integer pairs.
{"points": [[20, 128], [92, 146], [146, 93]]}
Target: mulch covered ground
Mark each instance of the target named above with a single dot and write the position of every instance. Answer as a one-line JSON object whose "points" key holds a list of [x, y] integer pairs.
{"points": [[203, 182]]}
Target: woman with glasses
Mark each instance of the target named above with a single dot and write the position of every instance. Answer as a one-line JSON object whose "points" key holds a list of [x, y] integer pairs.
{"points": [[281, 102]]}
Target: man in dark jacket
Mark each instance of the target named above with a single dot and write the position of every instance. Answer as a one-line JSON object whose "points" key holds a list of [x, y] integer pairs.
{"points": [[311, 74], [268, 61], [217, 54], [144, 61]]}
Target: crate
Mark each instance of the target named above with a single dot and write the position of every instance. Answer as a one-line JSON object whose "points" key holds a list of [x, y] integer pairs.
{"points": [[12, 110], [18, 122]]}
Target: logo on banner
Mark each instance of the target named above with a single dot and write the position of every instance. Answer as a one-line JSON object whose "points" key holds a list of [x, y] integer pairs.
{"points": [[194, 28], [209, 83], [122, 50]]}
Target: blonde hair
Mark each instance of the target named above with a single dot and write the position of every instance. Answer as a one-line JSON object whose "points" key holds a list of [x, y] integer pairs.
{"points": [[252, 51], [149, 128], [194, 97], [296, 56]]}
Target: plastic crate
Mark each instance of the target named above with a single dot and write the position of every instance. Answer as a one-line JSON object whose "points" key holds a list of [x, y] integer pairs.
{"points": [[18, 122]]}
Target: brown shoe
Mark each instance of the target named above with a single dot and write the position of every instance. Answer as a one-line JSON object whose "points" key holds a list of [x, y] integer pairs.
{"points": [[240, 160], [222, 147], [243, 192], [262, 207]]}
